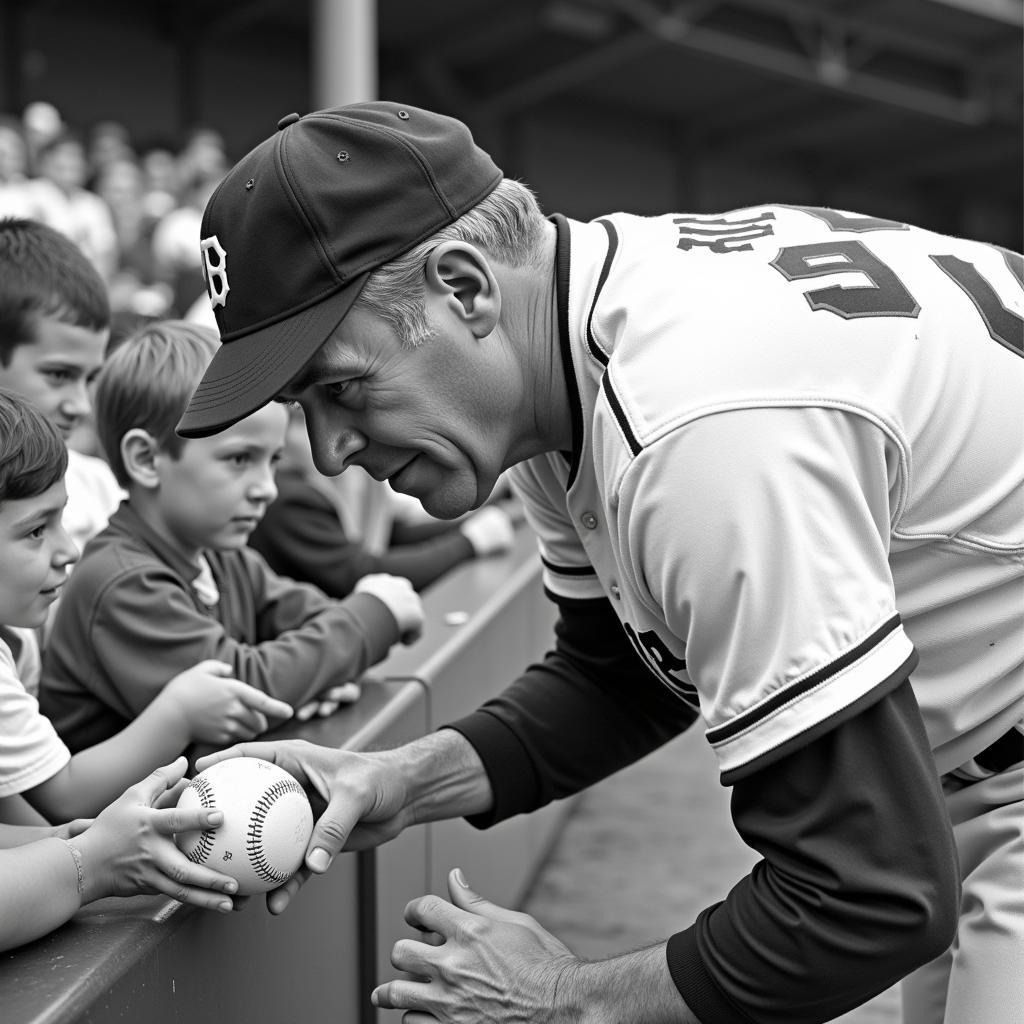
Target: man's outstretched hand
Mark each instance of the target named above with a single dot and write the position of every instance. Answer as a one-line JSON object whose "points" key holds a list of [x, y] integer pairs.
{"points": [[360, 800]]}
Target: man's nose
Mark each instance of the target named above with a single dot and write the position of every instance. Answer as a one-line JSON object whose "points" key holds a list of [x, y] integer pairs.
{"points": [[333, 444]]}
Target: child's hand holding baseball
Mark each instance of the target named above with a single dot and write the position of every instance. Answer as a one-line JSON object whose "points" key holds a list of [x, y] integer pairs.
{"points": [[129, 849]]}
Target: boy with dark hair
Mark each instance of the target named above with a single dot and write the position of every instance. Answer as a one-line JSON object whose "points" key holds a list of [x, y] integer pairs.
{"points": [[54, 324], [35, 553], [171, 580]]}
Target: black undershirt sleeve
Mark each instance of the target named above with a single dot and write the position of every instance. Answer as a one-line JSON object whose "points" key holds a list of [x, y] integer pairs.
{"points": [[588, 709], [858, 886]]}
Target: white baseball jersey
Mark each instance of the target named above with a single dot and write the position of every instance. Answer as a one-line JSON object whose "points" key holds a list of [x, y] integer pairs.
{"points": [[797, 468]]}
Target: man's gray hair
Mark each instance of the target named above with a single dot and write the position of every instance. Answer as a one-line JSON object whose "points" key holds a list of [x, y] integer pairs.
{"points": [[507, 225]]}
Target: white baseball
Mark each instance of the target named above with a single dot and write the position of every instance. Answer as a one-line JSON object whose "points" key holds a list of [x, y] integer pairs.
{"points": [[267, 823]]}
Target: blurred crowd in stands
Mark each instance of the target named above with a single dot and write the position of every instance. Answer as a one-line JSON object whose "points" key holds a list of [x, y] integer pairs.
{"points": [[134, 210]]}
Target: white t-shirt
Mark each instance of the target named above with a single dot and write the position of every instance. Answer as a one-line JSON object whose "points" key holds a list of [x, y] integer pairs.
{"points": [[30, 749]]}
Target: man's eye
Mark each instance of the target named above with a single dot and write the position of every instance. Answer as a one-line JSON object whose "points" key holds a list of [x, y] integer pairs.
{"points": [[59, 376], [338, 388]]}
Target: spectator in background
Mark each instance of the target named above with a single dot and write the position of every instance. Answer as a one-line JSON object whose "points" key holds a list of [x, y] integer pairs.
{"points": [[108, 141], [204, 155], [160, 181], [176, 245], [303, 533], [67, 205], [14, 196], [134, 287], [19, 195], [41, 122]]}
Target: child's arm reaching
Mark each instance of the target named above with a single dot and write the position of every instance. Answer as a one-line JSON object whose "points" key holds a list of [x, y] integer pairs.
{"points": [[201, 705], [12, 835], [405, 605], [285, 638], [128, 850]]}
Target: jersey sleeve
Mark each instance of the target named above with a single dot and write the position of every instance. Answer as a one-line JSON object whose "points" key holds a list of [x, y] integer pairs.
{"points": [[760, 537]]}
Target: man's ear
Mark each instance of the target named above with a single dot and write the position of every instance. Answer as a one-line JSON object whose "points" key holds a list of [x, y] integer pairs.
{"points": [[139, 452], [462, 277]]}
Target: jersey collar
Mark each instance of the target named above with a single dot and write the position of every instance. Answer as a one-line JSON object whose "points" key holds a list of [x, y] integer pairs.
{"points": [[562, 262]]}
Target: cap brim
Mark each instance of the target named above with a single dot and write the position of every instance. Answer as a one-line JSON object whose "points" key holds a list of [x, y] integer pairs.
{"points": [[248, 372]]}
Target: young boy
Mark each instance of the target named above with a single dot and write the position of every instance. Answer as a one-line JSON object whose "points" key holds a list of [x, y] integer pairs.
{"points": [[171, 581], [54, 323], [35, 553]]}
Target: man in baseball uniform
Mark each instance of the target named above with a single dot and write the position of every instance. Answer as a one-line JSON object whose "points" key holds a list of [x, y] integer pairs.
{"points": [[773, 459]]}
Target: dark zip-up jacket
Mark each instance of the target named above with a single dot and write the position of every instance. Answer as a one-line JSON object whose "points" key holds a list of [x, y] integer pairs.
{"points": [[129, 620]]}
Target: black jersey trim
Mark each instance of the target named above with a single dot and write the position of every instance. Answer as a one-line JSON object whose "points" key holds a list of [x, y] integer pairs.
{"points": [[579, 603], [613, 246], [801, 686], [568, 570], [563, 252], [866, 700], [619, 413]]}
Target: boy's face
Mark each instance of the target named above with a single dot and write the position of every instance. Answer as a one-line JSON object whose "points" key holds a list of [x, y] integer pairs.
{"points": [[56, 371], [216, 491], [35, 553]]}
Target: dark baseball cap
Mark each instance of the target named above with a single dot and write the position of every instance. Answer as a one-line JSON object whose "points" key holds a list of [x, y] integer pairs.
{"points": [[295, 228]]}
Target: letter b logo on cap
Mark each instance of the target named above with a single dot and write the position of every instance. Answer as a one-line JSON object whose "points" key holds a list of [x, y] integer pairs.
{"points": [[215, 270]]}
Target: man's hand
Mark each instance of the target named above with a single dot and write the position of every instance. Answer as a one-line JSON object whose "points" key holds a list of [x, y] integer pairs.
{"points": [[477, 961], [361, 800], [491, 964]]}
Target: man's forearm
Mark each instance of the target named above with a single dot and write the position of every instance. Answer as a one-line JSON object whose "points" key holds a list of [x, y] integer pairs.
{"points": [[445, 777], [633, 988]]}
